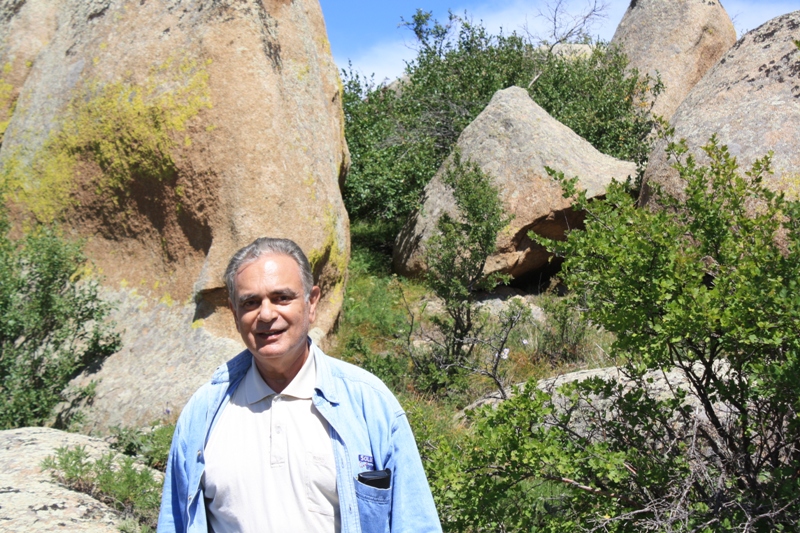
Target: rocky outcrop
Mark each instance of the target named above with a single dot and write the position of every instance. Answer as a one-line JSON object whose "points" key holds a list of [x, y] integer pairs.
{"points": [[656, 384], [31, 501], [513, 140], [678, 39], [751, 100], [165, 358], [169, 133]]}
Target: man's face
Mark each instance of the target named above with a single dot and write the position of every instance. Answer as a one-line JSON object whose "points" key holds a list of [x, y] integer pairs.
{"points": [[271, 312]]}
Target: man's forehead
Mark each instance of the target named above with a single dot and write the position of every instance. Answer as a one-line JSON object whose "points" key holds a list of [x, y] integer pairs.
{"points": [[270, 266]]}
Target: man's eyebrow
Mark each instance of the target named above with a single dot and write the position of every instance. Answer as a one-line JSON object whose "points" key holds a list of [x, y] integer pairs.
{"points": [[283, 292], [279, 292], [241, 298]]}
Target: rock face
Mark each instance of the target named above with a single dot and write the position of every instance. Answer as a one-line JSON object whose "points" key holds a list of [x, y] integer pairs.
{"points": [[680, 39], [163, 360], [31, 501], [169, 133], [513, 140], [751, 100]]}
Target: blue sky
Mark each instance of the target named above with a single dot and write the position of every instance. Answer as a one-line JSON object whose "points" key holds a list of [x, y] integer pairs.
{"points": [[367, 32]]}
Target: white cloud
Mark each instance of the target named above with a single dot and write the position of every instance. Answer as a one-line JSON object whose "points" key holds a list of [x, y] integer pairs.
{"points": [[386, 59], [748, 15], [530, 16]]}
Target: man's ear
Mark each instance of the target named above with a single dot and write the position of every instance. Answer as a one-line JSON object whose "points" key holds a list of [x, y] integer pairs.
{"points": [[313, 300]]}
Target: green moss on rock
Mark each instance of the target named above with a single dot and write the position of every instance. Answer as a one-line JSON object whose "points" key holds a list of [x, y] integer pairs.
{"points": [[333, 257], [7, 100], [128, 130]]}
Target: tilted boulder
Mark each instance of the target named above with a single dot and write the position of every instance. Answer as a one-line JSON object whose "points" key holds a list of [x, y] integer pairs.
{"points": [[169, 133], [513, 140], [678, 39], [751, 101]]}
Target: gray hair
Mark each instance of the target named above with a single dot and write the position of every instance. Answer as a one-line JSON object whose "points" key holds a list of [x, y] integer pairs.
{"points": [[269, 245]]}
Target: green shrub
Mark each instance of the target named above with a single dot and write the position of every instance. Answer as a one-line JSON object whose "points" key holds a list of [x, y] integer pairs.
{"points": [[116, 481], [706, 287], [465, 342], [564, 336], [399, 137], [151, 445], [51, 324]]}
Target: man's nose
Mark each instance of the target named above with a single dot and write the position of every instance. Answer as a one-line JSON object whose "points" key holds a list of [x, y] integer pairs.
{"points": [[267, 311]]}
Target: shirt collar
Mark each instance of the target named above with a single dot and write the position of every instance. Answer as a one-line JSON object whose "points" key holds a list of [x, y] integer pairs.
{"points": [[302, 386]]}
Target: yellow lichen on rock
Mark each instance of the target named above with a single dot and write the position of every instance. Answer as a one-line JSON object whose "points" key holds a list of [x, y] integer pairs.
{"points": [[7, 101], [334, 260], [128, 130]]}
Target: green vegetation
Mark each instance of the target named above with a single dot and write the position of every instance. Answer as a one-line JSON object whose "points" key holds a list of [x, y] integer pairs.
{"points": [[117, 481], [120, 481], [456, 256], [151, 446], [399, 136], [705, 286], [126, 130], [51, 325]]}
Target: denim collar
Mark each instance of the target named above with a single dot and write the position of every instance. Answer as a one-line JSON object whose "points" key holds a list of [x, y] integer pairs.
{"points": [[235, 369]]}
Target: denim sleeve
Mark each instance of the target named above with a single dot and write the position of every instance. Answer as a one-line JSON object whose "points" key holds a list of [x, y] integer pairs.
{"points": [[173, 508], [413, 510]]}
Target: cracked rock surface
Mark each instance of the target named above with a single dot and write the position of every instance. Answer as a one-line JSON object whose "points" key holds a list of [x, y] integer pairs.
{"points": [[30, 501]]}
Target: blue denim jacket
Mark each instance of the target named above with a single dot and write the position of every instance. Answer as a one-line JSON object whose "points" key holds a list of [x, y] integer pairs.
{"points": [[368, 429]]}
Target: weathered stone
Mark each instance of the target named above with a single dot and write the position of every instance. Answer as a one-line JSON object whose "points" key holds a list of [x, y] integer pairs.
{"points": [[751, 101], [657, 384], [163, 360], [513, 140], [31, 502], [678, 39], [25, 28], [169, 133]]}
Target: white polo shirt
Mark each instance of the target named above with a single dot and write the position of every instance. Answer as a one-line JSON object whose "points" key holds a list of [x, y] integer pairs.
{"points": [[269, 460]]}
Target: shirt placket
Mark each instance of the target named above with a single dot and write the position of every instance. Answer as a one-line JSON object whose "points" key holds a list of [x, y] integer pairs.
{"points": [[279, 448]]}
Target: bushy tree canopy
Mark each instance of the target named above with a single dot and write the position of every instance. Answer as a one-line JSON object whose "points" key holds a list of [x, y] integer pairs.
{"points": [[51, 323], [399, 135], [703, 288]]}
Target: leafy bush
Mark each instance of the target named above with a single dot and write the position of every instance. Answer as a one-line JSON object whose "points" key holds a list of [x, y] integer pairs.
{"points": [[399, 136], [704, 289], [51, 324], [151, 445], [456, 255], [116, 481]]}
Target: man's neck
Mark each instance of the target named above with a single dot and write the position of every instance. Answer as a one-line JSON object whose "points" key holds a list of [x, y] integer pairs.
{"points": [[278, 379]]}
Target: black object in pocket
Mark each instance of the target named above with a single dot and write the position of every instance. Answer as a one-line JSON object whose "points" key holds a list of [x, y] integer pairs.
{"points": [[380, 479]]}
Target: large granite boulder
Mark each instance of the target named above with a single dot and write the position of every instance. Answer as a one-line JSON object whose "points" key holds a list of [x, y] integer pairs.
{"points": [[751, 100], [31, 501], [165, 357], [169, 133], [678, 39], [513, 140]]}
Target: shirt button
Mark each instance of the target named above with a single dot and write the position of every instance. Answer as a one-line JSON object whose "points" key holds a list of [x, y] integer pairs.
{"points": [[278, 430]]}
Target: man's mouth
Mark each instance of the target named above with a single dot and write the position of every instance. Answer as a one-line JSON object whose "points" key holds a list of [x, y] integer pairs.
{"points": [[270, 334]]}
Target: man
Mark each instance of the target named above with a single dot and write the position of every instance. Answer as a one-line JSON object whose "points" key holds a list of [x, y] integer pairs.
{"points": [[284, 438]]}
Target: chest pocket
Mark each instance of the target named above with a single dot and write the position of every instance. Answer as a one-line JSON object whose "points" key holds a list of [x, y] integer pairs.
{"points": [[374, 508]]}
